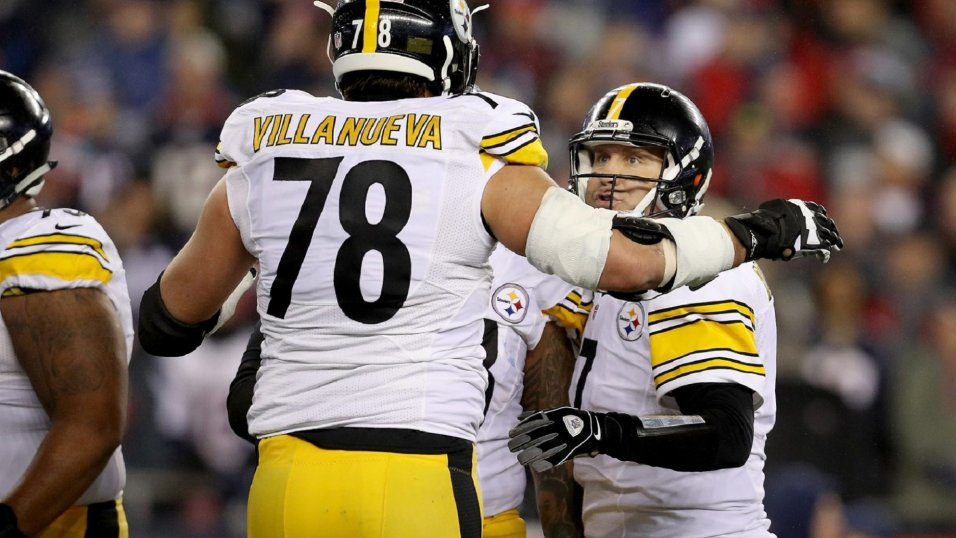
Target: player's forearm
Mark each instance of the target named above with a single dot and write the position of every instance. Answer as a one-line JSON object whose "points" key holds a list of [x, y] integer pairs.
{"points": [[559, 523], [548, 370], [70, 458]]}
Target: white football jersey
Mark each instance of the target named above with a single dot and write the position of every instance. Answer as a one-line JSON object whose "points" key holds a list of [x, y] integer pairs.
{"points": [[52, 250], [366, 221], [633, 355], [523, 300]]}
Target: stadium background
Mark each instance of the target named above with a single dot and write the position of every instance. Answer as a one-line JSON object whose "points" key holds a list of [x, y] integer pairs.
{"points": [[851, 102]]}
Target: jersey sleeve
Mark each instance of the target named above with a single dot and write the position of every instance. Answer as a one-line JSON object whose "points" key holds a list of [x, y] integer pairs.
{"points": [[249, 125], [64, 250], [513, 134], [568, 306], [705, 336]]}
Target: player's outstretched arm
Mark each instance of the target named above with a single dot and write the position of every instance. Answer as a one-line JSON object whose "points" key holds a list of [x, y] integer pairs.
{"points": [[184, 305], [595, 248], [71, 345]]}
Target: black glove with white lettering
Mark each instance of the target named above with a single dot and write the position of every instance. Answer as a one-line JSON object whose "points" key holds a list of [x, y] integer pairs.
{"points": [[785, 229], [551, 437], [8, 523]]}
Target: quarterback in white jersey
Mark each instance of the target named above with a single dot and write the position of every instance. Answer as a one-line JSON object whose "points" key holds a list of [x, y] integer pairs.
{"points": [[65, 339], [673, 394], [523, 301]]}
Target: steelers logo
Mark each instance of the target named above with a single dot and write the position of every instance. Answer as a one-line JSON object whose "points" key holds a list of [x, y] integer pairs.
{"points": [[630, 321], [510, 301], [461, 17]]}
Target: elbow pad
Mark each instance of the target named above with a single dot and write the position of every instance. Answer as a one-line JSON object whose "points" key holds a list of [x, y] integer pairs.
{"points": [[569, 239], [163, 335]]}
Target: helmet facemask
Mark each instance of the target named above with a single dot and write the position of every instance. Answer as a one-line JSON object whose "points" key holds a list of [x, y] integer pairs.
{"points": [[646, 115]]}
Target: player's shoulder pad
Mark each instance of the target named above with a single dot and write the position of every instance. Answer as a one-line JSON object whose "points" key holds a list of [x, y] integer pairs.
{"points": [[236, 137], [58, 246], [512, 132]]}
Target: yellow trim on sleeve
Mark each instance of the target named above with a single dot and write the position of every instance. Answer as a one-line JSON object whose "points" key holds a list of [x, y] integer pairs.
{"points": [[505, 137], [698, 336], [709, 308], [487, 160], [59, 239], [532, 154], [370, 26], [566, 318], [66, 266], [708, 365]]}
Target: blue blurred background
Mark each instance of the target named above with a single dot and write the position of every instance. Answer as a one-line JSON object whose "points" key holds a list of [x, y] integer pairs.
{"points": [[850, 102]]}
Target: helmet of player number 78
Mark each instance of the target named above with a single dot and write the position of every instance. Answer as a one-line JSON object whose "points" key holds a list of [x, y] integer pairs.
{"points": [[431, 39], [25, 131], [654, 115]]}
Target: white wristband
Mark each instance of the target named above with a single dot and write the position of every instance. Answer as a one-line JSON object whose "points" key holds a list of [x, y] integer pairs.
{"points": [[703, 249]]}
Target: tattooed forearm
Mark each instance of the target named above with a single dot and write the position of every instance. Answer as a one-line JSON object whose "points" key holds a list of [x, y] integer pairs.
{"points": [[559, 502], [548, 370]]}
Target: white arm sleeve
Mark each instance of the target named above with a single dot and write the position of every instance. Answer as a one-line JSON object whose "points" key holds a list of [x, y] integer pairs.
{"points": [[569, 239], [704, 249]]}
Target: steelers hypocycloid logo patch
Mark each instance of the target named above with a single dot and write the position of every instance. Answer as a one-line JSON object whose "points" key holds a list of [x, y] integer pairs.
{"points": [[630, 321], [510, 301]]}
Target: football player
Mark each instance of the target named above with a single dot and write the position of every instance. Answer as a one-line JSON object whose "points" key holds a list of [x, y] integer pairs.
{"points": [[372, 219], [673, 394], [65, 341]]}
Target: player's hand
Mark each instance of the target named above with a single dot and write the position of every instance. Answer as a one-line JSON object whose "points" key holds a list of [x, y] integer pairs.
{"points": [[785, 229], [548, 438], [229, 307]]}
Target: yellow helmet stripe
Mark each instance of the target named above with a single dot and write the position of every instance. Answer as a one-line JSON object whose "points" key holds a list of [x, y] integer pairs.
{"points": [[370, 26], [614, 112]]}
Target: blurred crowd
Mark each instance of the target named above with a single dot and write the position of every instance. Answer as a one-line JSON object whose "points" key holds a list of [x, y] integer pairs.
{"points": [[849, 102]]}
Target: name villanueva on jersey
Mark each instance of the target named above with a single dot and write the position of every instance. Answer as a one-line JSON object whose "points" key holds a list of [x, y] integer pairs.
{"points": [[419, 130]]}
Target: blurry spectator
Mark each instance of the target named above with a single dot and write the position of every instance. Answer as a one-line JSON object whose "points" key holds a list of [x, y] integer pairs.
{"points": [[924, 394]]}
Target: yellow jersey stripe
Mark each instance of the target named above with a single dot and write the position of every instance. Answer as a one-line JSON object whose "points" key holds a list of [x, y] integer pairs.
{"points": [[60, 239], [721, 307], [530, 153], [370, 26], [487, 160], [567, 318], [614, 112], [225, 164], [500, 139], [709, 364], [66, 266], [677, 342]]}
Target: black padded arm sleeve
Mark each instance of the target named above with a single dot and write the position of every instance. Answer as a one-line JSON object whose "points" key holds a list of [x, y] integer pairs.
{"points": [[163, 335], [723, 440], [240, 390]]}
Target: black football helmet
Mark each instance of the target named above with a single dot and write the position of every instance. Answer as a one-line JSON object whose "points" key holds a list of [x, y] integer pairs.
{"points": [[431, 39], [645, 114], [25, 131]]}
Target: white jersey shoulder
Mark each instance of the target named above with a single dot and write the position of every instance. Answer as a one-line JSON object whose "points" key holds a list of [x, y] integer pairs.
{"points": [[55, 249], [51, 250]]}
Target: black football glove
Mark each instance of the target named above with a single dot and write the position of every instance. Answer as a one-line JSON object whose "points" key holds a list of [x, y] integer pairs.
{"points": [[784, 229], [548, 438]]}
